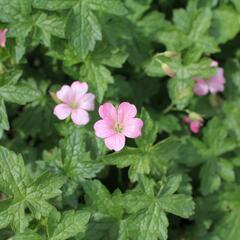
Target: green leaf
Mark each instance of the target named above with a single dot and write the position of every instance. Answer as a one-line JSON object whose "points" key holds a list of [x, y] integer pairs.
{"points": [[14, 10], [201, 24], [216, 137], [172, 184], [20, 94], [83, 29], [13, 213], [149, 209], [153, 68], [46, 26], [45, 186], [17, 184], [168, 123], [101, 227], [137, 8], [110, 6], [54, 5], [77, 163], [26, 236], [226, 170], [210, 179], [13, 177], [109, 55], [98, 77], [228, 228], [10, 77], [232, 114], [178, 204], [237, 4], [106, 211], [136, 159], [154, 224], [4, 124], [71, 224], [149, 130], [180, 91], [226, 24], [105, 203], [153, 159]]}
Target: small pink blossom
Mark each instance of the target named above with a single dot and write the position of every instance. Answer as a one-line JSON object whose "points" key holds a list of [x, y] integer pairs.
{"points": [[118, 123], [75, 103], [194, 121], [213, 85], [3, 37]]}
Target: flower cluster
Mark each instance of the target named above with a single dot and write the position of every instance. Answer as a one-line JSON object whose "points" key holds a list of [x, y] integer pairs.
{"points": [[213, 85], [117, 122]]}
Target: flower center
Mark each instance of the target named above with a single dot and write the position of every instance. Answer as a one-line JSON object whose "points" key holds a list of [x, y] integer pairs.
{"points": [[118, 128], [73, 105]]}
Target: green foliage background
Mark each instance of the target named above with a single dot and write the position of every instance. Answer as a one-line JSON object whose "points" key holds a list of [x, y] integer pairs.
{"points": [[57, 181]]}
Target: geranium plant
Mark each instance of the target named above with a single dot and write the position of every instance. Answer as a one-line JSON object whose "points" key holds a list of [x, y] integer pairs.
{"points": [[119, 119]]}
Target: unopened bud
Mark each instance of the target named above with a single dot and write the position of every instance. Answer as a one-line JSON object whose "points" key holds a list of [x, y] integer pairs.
{"points": [[167, 70], [54, 97], [170, 54], [195, 116]]}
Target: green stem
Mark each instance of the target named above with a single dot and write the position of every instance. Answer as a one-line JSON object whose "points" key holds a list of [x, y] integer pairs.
{"points": [[168, 108]]}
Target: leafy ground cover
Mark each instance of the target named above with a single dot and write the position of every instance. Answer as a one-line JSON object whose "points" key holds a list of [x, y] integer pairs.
{"points": [[119, 120]]}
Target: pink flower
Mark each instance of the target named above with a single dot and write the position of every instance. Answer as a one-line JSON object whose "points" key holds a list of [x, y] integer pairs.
{"points": [[117, 123], [213, 85], [194, 121], [75, 103], [3, 37]]}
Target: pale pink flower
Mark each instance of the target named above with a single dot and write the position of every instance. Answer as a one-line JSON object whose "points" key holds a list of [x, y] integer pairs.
{"points": [[213, 85], [3, 37], [194, 121], [75, 103], [117, 123]]}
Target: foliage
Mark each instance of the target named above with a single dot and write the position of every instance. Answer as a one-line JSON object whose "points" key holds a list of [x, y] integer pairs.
{"points": [[58, 181]]}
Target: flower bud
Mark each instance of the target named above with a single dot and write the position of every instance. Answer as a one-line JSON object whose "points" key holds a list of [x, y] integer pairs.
{"points": [[194, 121], [54, 97], [167, 70], [170, 54], [195, 116]]}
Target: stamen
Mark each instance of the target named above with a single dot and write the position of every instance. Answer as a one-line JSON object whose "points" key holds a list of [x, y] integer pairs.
{"points": [[73, 105], [118, 127]]}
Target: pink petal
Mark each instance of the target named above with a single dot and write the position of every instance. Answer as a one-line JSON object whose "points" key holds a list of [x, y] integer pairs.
{"points": [[126, 111], [186, 119], [132, 128], [87, 102], [107, 110], [201, 88], [195, 126], [216, 83], [65, 94], [80, 116], [104, 128], [214, 63], [79, 88], [115, 142], [3, 37], [62, 111]]}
